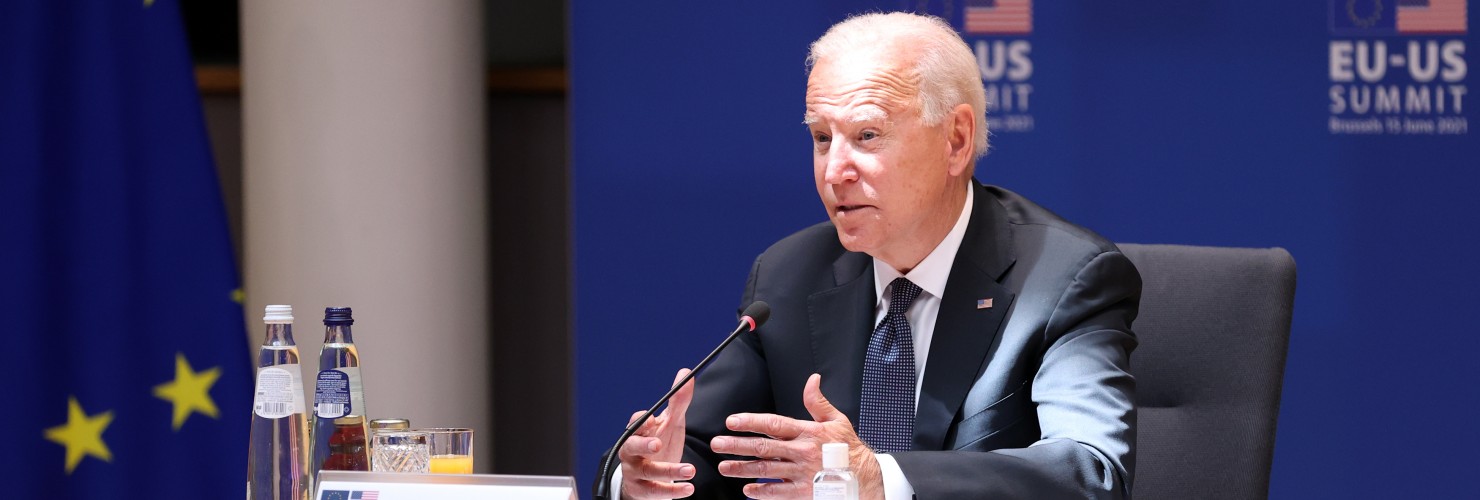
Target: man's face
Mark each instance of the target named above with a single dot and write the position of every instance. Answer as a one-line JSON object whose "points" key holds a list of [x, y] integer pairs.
{"points": [[883, 175]]}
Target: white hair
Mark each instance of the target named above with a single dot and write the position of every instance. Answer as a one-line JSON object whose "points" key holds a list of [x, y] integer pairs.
{"points": [[945, 65]]}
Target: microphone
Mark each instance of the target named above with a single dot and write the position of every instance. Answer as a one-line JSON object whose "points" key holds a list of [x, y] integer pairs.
{"points": [[754, 316]]}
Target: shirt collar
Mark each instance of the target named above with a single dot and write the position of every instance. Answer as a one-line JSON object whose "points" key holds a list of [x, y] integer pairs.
{"points": [[931, 274]]}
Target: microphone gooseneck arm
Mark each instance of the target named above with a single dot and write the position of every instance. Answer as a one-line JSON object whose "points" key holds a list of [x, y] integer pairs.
{"points": [[752, 318]]}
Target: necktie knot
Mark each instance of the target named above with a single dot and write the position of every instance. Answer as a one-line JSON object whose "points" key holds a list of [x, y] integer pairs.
{"points": [[903, 293]]}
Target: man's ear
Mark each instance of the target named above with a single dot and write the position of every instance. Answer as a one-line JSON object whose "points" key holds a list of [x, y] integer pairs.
{"points": [[962, 137]]}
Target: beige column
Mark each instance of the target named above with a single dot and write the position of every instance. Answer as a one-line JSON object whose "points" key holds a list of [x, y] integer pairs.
{"points": [[364, 186]]}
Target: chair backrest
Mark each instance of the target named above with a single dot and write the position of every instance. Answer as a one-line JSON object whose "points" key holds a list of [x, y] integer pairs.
{"points": [[1213, 329]]}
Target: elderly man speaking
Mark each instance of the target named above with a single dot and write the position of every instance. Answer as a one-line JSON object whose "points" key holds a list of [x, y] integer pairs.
{"points": [[963, 341]]}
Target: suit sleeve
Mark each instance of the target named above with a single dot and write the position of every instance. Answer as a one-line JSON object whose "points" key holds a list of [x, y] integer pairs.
{"points": [[1084, 398]]}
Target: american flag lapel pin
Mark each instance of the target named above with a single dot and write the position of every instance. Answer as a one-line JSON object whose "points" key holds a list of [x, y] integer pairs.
{"points": [[984, 304]]}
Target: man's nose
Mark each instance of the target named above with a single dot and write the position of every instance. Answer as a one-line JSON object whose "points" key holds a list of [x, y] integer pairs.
{"points": [[840, 167]]}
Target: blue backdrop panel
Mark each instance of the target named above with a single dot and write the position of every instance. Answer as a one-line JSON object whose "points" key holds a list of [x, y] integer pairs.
{"points": [[1337, 129]]}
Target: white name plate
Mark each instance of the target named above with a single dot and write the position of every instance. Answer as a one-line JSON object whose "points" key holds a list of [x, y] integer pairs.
{"points": [[347, 485]]}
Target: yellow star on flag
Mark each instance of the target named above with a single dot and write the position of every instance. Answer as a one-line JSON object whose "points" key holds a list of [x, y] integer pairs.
{"points": [[190, 391], [82, 435]]}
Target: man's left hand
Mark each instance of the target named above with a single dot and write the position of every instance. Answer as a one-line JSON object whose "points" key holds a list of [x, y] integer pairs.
{"points": [[792, 449]]}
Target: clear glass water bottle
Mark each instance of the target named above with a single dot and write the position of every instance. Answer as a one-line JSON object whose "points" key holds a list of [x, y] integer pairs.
{"points": [[277, 464], [835, 481], [339, 399]]}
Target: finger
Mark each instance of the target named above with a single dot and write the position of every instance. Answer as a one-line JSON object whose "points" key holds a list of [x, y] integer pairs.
{"points": [[789, 489], [655, 489], [775, 469], [776, 426], [653, 470], [649, 428], [821, 409], [678, 405], [759, 447], [639, 446], [646, 425]]}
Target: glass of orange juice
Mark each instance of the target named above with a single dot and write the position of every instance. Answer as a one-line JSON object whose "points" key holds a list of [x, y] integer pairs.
{"points": [[451, 450]]}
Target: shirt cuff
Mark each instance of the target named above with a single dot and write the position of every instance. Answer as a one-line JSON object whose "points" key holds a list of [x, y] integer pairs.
{"points": [[896, 486], [617, 483]]}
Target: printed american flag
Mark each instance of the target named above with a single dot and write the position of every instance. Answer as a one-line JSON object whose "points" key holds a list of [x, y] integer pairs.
{"points": [[1432, 16], [365, 495], [999, 16]]}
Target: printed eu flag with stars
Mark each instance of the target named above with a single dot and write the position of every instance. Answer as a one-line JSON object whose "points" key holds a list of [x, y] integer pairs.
{"points": [[125, 361]]}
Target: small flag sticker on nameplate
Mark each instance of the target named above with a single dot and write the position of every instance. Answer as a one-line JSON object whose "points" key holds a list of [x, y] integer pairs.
{"points": [[984, 304]]}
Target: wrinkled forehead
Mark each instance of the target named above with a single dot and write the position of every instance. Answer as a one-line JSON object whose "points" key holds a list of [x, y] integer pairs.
{"points": [[859, 85]]}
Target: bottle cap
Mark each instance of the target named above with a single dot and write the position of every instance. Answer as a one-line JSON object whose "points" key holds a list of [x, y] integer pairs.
{"points": [[835, 455], [338, 316], [278, 315], [390, 423]]}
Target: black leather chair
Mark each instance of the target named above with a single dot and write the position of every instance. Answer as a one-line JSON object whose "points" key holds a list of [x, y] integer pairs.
{"points": [[1213, 330]]}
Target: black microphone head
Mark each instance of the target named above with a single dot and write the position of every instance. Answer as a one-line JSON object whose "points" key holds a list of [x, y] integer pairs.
{"points": [[758, 312]]}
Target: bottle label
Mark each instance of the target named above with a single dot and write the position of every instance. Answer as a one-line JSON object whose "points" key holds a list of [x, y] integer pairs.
{"points": [[279, 391], [338, 393], [829, 491]]}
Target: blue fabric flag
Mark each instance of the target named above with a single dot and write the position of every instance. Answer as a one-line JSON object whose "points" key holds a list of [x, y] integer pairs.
{"points": [[125, 364]]}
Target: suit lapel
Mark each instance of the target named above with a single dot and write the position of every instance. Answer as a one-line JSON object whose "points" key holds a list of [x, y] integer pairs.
{"points": [[965, 332], [841, 319]]}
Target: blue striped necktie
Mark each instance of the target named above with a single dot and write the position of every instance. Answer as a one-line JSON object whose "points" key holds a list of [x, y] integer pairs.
{"points": [[886, 417]]}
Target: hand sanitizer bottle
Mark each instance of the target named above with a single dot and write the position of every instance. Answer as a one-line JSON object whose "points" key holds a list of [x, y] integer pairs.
{"points": [[835, 481]]}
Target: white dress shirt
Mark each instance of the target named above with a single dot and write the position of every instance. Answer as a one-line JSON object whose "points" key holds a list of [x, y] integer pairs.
{"points": [[931, 276]]}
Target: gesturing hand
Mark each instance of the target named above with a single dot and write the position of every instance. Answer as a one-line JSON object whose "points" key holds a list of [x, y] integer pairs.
{"points": [[792, 450], [650, 458]]}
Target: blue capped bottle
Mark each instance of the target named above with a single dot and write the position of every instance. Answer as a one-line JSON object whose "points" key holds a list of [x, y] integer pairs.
{"points": [[339, 430], [277, 465]]}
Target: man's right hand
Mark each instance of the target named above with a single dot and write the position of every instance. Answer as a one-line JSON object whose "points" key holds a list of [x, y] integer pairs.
{"points": [[650, 458]]}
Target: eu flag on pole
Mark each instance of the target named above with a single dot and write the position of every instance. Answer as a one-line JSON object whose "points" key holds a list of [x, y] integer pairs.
{"points": [[125, 363]]}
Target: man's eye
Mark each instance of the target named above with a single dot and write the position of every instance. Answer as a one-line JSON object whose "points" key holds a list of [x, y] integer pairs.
{"points": [[868, 135], [821, 138]]}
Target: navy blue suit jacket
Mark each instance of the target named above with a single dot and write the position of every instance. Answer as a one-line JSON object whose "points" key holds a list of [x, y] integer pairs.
{"points": [[1029, 398]]}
